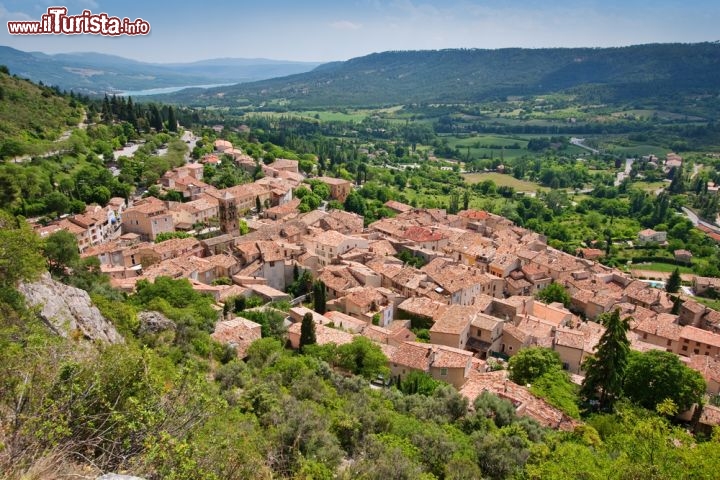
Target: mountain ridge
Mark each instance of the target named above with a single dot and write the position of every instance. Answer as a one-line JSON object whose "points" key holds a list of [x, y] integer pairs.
{"points": [[99, 73], [469, 75]]}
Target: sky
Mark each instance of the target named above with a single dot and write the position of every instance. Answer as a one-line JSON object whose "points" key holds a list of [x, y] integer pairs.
{"points": [[326, 30]]}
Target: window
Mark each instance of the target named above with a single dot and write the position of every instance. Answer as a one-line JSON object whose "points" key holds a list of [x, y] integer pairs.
{"points": [[697, 351], [684, 348], [443, 372], [669, 342]]}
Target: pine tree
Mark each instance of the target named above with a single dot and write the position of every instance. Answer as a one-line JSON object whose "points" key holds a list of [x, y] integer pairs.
{"points": [[307, 331], [258, 205], [319, 299], [605, 371], [674, 282]]}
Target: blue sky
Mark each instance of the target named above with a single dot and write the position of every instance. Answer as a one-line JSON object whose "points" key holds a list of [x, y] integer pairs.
{"points": [[337, 30]]}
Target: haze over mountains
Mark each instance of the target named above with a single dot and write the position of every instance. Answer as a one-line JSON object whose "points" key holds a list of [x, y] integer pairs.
{"points": [[638, 73], [96, 73], [472, 75]]}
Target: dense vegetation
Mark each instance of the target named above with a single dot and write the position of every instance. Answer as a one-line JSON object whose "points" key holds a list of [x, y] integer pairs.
{"points": [[175, 404], [474, 75], [32, 115]]}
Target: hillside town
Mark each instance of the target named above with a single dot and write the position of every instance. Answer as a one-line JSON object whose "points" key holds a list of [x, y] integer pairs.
{"points": [[474, 293]]}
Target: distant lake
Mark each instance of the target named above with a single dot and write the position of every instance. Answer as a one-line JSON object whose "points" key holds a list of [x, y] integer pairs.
{"points": [[160, 91]]}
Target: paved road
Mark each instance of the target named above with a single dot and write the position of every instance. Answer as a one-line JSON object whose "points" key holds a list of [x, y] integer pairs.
{"points": [[191, 140], [580, 142], [625, 173], [697, 221], [126, 151]]}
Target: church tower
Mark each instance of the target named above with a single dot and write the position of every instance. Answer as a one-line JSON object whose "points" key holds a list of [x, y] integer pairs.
{"points": [[228, 213]]}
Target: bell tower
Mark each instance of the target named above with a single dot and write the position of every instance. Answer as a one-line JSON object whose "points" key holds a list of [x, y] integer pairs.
{"points": [[228, 213]]}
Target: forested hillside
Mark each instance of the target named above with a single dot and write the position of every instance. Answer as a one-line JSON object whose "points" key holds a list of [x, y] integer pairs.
{"points": [[32, 115], [96, 73], [450, 76]]}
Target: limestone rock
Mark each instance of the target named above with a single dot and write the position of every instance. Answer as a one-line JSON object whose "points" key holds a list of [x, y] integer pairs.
{"points": [[154, 322], [68, 311]]}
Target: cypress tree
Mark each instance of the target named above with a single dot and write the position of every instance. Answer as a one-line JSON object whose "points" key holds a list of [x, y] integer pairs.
{"points": [[605, 371], [307, 331], [319, 298], [172, 121], [674, 282]]}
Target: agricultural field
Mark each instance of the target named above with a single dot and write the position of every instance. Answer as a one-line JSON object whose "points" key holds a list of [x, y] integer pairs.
{"points": [[660, 267], [502, 180], [636, 150]]}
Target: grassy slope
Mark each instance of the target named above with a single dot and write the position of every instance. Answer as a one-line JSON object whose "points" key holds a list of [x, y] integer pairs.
{"points": [[30, 114]]}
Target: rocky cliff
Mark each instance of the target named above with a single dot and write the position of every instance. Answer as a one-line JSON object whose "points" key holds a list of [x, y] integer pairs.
{"points": [[68, 311]]}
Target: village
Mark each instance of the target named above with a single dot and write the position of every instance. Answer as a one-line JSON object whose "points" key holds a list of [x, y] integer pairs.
{"points": [[474, 292]]}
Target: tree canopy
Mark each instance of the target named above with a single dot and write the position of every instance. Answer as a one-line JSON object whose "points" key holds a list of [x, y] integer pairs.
{"points": [[554, 293], [605, 370], [655, 376], [530, 364]]}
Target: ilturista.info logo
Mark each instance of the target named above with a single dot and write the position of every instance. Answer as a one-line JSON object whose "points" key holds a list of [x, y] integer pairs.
{"points": [[57, 22]]}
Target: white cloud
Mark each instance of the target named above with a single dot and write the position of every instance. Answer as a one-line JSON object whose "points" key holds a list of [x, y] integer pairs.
{"points": [[345, 25]]}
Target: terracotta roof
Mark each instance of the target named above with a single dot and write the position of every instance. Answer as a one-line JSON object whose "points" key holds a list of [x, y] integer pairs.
{"points": [[238, 332], [422, 234], [398, 206], [416, 356], [333, 181], [423, 306], [454, 320], [448, 357], [485, 322], [324, 335], [695, 334], [474, 214], [271, 251], [382, 247], [330, 238], [364, 297], [693, 306], [178, 245], [709, 367], [338, 278], [345, 322], [659, 327], [147, 205], [569, 338]]}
